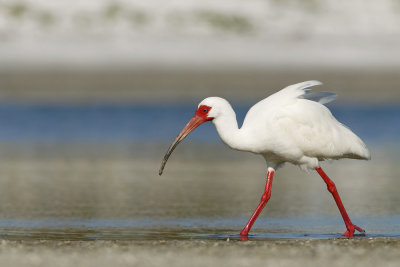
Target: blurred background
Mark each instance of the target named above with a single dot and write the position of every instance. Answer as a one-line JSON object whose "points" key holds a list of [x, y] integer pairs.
{"points": [[93, 92]]}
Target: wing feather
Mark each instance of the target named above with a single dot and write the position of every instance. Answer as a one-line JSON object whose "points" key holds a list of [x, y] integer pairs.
{"points": [[320, 97]]}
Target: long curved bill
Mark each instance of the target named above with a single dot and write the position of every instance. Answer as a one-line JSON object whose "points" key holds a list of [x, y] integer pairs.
{"points": [[190, 126]]}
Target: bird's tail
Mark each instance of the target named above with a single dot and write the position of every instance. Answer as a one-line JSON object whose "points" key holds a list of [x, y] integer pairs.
{"points": [[356, 147]]}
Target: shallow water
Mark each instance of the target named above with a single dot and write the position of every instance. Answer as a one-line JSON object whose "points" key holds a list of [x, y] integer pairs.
{"points": [[90, 173], [136, 123], [113, 198], [289, 228]]}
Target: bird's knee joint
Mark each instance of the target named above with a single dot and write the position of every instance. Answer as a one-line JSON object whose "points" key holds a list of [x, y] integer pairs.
{"points": [[266, 197], [331, 187]]}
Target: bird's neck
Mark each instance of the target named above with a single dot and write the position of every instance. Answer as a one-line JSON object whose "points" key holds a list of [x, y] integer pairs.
{"points": [[227, 128]]}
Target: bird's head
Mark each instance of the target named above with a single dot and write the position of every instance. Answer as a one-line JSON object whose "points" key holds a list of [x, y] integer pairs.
{"points": [[207, 110]]}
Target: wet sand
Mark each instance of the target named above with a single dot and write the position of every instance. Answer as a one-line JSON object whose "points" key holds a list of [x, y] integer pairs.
{"points": [[334, 252], [122, 210], [200, 181], [155, 85]]}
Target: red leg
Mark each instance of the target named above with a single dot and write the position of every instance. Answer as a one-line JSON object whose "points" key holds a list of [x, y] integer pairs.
{"points": [[264, 199], [332, 188]]}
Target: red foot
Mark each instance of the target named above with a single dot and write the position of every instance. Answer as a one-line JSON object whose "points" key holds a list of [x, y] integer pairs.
{"points": [[244, 238], [350, 231]]}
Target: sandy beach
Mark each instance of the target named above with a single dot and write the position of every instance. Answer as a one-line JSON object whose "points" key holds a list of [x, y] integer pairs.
{"points": [[336, 252]]}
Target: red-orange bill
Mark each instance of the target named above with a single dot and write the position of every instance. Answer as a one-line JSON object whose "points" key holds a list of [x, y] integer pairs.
{"points": [[190, 126]]}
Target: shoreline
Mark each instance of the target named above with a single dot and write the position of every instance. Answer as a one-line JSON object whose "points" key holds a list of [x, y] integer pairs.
{"points": [[173, 86]]}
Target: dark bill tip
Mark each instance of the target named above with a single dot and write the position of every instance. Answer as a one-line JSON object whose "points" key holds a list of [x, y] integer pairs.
{"points": [[190, 126], [169, 152]]}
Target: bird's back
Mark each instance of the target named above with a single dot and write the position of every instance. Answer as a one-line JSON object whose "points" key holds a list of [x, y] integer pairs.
{"points": [[293, 125]]}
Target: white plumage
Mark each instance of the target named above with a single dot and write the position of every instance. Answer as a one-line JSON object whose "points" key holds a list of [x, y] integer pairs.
{"points": [[288, 127], [291, 125]]}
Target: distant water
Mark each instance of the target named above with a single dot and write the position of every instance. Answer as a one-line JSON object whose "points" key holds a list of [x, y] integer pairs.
{"points": [[133, 123]]}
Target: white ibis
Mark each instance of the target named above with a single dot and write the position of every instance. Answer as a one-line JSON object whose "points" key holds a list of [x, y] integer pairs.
{"points": [[292, 125]]}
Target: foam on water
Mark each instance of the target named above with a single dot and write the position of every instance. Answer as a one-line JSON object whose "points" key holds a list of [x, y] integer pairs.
{"points": [[362, 34]]}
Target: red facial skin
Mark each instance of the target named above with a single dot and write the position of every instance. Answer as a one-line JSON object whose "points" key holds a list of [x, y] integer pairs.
{"points": [[200, 117], [202, 112]]}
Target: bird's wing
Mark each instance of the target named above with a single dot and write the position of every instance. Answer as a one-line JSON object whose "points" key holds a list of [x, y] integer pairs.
{"points": [[313, 129], [299, 89], [310, 125], [303, 90], [294, 122], [320, 97], [287, 96]]}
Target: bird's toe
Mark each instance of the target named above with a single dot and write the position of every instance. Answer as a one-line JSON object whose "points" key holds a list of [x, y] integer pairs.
{"points": [[349, 234], [350, 231], [359, 229]]}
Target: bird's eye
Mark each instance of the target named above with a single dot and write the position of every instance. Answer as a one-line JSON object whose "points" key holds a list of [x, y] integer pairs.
{"points": [[205, 110]]}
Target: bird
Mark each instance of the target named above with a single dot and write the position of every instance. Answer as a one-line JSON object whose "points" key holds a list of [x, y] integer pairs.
{"points": [[293, 126]]}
